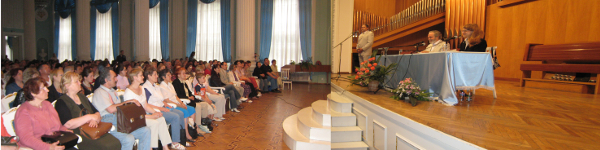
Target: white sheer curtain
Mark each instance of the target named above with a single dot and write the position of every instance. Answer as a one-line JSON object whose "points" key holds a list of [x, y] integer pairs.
{"points": [[8, 50], [208, 35], [104, 45], [64, 39], [155, 49], [285, 40]]}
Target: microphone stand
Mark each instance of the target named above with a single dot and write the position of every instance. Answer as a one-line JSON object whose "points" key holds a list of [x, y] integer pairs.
{"points": [[340, 62]]}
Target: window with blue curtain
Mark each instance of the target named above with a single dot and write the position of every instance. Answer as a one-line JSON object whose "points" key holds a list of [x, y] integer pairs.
{"points": [[209, 30], [64, 29], [104, 29], [159, 29]]}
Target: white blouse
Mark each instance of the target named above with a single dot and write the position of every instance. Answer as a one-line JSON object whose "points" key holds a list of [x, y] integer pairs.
{"points": [[168, 91], [129, 95]]}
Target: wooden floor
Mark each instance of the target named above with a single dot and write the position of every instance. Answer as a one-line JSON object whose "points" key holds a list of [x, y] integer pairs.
{"points": [[521, 118], [258, 125]]}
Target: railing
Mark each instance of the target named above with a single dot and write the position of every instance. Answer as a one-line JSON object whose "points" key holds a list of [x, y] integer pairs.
{"points": [[379, 25]]}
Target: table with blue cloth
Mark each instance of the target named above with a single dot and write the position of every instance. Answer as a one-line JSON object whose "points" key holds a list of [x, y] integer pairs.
{"points": [[443, 73]]}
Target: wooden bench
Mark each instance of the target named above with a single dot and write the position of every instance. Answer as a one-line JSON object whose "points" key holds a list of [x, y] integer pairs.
{"points": [[563, 58]]}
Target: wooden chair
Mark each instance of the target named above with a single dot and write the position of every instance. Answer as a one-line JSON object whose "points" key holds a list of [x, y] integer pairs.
{"points": [[285, 77]]}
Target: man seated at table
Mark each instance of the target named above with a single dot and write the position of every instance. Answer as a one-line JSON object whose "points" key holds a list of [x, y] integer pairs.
{"points": [[435, 42]]}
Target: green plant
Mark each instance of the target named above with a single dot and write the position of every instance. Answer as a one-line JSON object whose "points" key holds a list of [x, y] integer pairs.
{"points": [[369, 71], [408, 87], [306, 64]]}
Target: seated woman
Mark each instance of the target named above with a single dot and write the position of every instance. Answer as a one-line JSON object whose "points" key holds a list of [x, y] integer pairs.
{"points": [[122, 82], [32, 113], [249, 74], [54, 89], [182, 90], [156, 121], [234, 95], [237, 75], [157, 101], [88, 78], [69, 106], [168, 91], [474, 41], [15, 83]]}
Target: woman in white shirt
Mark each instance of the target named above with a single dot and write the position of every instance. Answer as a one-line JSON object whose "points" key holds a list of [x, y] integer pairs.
{"points": [[156, 121], [168, 93]]}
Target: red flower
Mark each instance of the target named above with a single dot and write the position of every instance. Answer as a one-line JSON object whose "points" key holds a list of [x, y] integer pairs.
{"points": [[366, 71], [356, 69], [362, 63], [370, 65], [372, 68], [362, 69], [356, 77], [374, 64]]}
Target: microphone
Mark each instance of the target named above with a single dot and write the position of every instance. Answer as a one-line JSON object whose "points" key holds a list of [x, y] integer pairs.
{"points": [[422, 43], [448, 39]]}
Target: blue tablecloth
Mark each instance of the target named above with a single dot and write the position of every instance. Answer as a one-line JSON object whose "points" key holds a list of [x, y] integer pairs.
{"points": [[443, 73]]}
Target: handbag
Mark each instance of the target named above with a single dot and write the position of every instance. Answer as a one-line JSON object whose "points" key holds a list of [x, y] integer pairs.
{"points": [[8, 140], [64, 138], [94, 133], [130, 117]]}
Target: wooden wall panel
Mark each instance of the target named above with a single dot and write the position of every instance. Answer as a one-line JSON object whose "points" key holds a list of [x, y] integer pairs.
{"points": [[383, 8], [461, 12], [541, 21]]}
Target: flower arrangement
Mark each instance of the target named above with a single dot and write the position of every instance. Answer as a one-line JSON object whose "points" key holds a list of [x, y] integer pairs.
{"points": [[408, 88], [304, 64], [371, 71]]}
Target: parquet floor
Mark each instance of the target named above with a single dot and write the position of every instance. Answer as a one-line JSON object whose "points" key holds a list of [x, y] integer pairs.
{"points": [[258, 125], [520, 118]]}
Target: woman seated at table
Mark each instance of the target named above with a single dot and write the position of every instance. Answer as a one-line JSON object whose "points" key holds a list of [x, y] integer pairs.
{"points": [[474, 41], [30, 115], [69, 106]]}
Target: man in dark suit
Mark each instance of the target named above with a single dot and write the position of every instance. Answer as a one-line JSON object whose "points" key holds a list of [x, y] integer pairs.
{"points": [[121, 58]]}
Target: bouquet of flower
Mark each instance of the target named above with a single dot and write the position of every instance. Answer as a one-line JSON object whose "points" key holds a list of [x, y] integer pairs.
{"points": [[409, 88], [370, 71]]}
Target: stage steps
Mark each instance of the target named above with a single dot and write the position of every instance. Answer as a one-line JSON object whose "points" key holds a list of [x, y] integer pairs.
{"points": [[327, 124], [345, 134], [310, 128]]}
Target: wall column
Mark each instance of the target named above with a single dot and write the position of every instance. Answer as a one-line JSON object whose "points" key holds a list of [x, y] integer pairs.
{"points": [[342, 12], [141, 29], [245, 30], [29, 28], [83, 31]]}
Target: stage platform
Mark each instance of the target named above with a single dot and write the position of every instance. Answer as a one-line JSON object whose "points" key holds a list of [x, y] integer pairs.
{"points": [[520, 118]]}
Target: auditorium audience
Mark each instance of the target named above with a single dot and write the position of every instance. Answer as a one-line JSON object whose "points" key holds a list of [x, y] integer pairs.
{"points": [[261, 77], [237, 75], [69, 107], [44, 70], [15, 83], [474, 41], [270, 76], [156, 120], [234, 95], [105, 99], [168, 91], [218, 99], [88, 79], [30, 73], [122, 81], [208, 107], [55, 90], [36, 117], [276, 72]]}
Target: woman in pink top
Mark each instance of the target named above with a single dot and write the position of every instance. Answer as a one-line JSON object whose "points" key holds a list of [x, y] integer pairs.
{"points": [[37, 117]]}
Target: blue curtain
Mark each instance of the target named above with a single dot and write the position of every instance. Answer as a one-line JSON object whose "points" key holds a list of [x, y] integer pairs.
{"points": [[305, 28], [93, 32], [103, 7], [191, 26], [164, 28], [154, 3], [266, 27], [226, 29], [56, 32], [115, 29], [64, 8], [74, 35]]}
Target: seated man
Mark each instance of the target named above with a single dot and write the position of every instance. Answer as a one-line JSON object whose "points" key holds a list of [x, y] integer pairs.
{"points": [[271, 77], [435, 42], [106, 101]]}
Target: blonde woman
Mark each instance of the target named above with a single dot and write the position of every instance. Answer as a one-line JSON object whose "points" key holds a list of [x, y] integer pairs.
{"points": [[69, 105], [474, 41], [55, 91], [156, 121]]}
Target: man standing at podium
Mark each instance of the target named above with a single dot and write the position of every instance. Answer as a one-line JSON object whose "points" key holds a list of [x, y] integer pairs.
{"points": [[365, 41]]}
